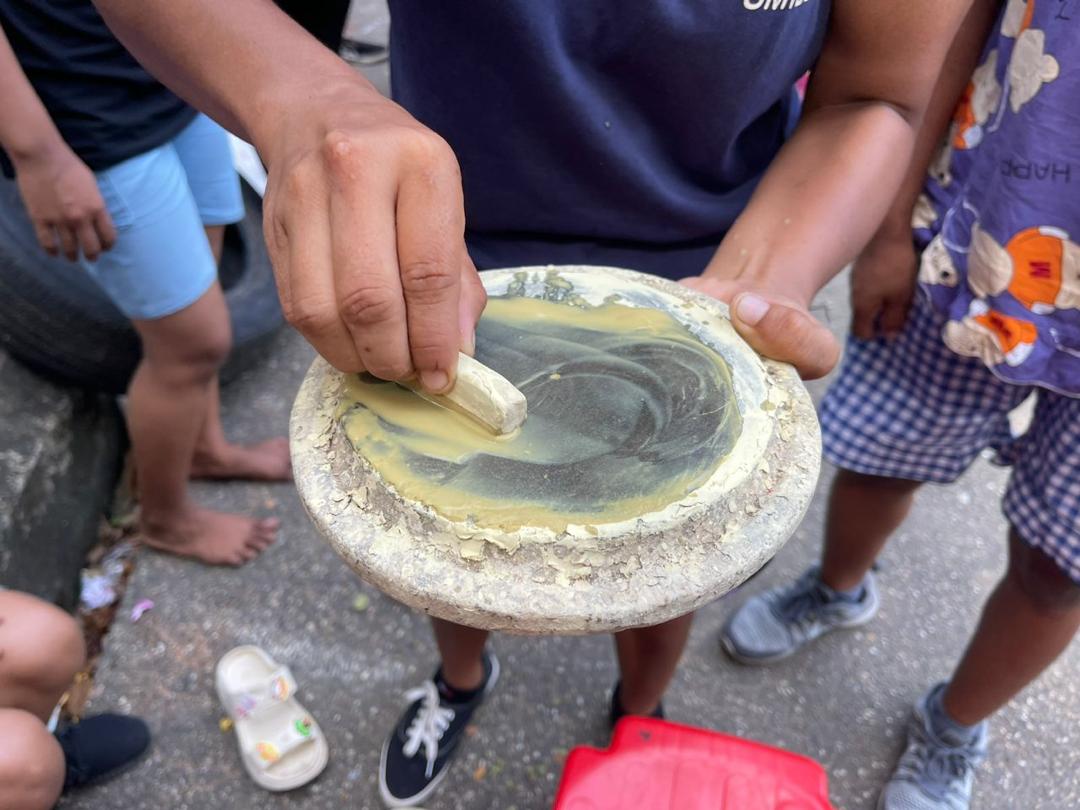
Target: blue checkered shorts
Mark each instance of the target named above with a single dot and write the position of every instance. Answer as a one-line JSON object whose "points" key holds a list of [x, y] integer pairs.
{"points": [[913, 409]]}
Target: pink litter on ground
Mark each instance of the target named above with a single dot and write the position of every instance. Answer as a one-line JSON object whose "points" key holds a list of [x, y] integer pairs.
{"points": [[140, 608]]}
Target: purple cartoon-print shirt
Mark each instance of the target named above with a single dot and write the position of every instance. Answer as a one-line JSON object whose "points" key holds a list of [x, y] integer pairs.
{"points": [[999, 221]]}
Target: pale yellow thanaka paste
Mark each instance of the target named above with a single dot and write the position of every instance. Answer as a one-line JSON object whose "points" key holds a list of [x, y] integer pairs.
{"points": [[391, 427]]}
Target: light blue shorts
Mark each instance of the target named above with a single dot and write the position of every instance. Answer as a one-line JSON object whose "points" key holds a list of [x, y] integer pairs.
{"points": [[160, 202]]}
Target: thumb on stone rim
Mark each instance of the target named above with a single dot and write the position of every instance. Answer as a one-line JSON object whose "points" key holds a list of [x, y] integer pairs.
{"points": [[786, 333]]}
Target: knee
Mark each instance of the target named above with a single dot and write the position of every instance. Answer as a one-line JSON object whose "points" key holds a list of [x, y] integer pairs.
{"points": [[211, 350], [41, 646], [1047, 588], [31, 763], [194, 360], [207, 353]]}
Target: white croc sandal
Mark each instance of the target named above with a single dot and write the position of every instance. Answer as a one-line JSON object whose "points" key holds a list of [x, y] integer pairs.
{"points": [[281, 746]]}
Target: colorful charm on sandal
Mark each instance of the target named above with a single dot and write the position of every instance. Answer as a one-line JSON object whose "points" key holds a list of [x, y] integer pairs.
{"points": [[280, 688], [244, 706]]}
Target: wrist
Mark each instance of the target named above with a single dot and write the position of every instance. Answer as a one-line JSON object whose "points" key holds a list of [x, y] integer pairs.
{"points": [[337, 93], [894, 227], [36, 149]]}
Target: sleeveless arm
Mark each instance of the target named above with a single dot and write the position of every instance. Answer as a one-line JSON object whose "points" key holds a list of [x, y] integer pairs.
{"points": [[832, 184]]}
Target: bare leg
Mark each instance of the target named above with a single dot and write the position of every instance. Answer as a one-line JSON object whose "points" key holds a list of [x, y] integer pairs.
{"points": [[462, 651], [167, 404], [215, 457], [864, 510], [41, 650], [648, 657], [215, 235], [31, 763], [1028, 621]]}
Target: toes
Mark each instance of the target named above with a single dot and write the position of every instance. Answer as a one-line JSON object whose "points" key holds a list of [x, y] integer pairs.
{"points": [[243, 556], [259, 542], [265, 531], [252, 546], [268, 526]]}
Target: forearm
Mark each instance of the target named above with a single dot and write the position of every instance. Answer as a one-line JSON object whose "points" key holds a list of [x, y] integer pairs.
{"points": [[244, 62], [956, 73], [833, 183], [26, 130], [821, 200]]}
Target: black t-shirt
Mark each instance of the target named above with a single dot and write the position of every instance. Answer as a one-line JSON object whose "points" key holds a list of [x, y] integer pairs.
{"points": [[106, 106]]}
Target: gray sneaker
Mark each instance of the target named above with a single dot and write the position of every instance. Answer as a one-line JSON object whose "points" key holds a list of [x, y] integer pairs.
{"points": [[781, 621], [933, 775]]}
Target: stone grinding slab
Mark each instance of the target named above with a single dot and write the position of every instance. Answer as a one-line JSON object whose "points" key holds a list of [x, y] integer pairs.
{"points": [[589, 573]]}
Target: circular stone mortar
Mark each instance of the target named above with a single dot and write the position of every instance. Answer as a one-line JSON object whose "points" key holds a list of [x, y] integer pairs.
{"points": [[592, 579]]}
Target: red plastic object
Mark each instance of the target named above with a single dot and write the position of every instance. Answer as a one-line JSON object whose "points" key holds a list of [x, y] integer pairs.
{"points": [[656, 765]]}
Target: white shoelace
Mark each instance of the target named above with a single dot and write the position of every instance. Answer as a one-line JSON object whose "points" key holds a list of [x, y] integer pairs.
{"points": [[428, 726]]}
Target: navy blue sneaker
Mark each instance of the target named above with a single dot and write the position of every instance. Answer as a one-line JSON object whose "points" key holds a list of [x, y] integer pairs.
{"points": [[616, 712], [101, 747], [416, 757]]}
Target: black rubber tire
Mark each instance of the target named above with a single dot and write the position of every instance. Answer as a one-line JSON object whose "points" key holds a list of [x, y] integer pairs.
{"points": [[55, 319]]}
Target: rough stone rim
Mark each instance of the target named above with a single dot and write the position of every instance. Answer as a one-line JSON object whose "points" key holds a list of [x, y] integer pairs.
{"points": [[657, 579]]}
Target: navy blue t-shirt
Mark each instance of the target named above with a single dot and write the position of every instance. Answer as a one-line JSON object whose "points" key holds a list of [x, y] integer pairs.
{"points": [[106, 106], [605, 131]]}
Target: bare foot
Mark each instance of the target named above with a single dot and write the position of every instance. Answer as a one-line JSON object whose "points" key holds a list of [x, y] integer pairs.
{"points": [[265, 461], [215, 538]]}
